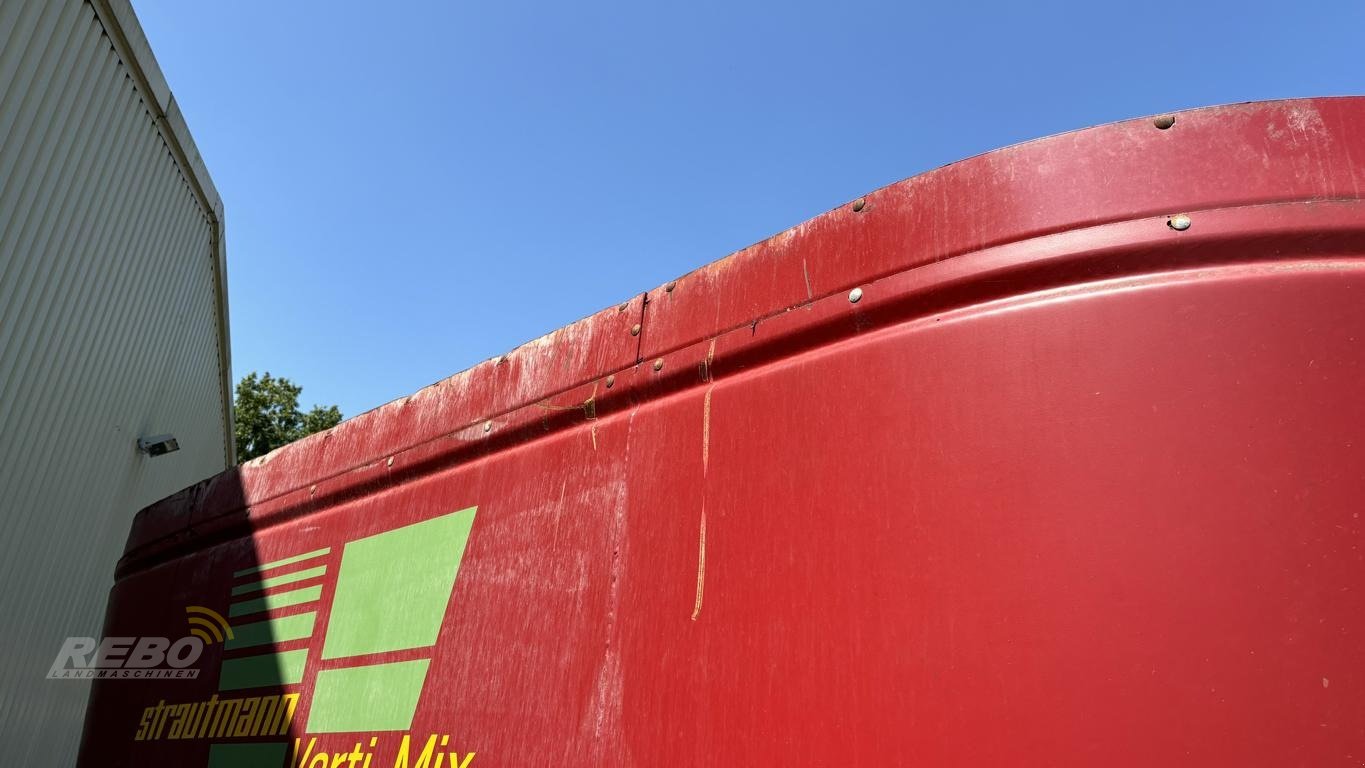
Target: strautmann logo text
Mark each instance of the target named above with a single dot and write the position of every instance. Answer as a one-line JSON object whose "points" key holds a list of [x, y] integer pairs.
{"points": [[390, 594]]}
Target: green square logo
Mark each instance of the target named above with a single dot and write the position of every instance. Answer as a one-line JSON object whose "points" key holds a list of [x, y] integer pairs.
{"points": [[378, 697], [393, 587]]}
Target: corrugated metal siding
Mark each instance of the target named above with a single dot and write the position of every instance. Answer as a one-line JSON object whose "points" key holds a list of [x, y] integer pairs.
{"points": [[109, 329]]}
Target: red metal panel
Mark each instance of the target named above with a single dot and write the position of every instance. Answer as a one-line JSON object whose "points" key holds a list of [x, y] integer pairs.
{"points": [[1088, 492], [1218, 157]]}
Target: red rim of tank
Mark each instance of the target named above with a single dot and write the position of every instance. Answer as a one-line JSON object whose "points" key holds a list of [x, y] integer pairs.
{"points": [[1070, 208]]}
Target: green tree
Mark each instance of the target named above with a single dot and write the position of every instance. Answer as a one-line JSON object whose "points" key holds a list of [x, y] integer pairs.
{"points": [[267, 415]]}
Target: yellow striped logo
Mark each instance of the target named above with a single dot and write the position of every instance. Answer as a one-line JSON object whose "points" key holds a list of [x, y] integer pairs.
{"points": [[208, 625]]}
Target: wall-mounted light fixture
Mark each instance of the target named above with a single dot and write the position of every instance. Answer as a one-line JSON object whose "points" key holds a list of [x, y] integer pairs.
{"points": [[158, 445]]}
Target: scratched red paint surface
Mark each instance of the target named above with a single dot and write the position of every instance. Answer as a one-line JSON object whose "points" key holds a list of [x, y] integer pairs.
{"points": [[1065, 486]]}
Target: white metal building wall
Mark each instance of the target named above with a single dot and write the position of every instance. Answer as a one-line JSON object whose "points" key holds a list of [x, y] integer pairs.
{"points": [[112, 326]]}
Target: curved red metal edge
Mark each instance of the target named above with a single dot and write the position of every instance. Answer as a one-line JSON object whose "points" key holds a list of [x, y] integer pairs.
{"points": [[1023, 210]]}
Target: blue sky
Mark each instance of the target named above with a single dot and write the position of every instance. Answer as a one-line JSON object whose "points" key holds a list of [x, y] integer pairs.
{"points": [[412, 187]]}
